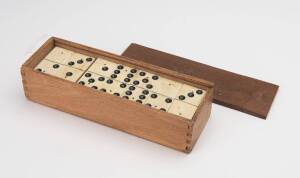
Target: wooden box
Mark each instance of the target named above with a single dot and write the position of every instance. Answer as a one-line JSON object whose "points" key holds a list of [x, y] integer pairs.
{"points": [[68, 95]]}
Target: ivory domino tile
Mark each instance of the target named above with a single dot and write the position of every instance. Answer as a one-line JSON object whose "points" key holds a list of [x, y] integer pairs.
{"points": [[70, 58], [191, 95], [182, 109], [59, 70]]}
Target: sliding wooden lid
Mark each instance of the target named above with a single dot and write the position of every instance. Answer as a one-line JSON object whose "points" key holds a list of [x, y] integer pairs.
{"points": [[232, 90]]}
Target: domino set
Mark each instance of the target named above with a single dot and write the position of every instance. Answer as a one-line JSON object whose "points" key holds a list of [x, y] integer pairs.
{"points": [[126, 82], [141, 99]]}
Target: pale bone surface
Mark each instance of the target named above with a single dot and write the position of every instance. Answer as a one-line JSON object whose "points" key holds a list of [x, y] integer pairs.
{"points": [[129, 83], [70, 58], [59, 70]]}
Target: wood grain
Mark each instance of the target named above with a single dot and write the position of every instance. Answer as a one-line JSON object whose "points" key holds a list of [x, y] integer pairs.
{"points": [[232, 90]]}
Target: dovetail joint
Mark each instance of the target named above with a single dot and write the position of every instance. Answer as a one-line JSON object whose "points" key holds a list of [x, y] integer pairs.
{"points": [[189, 137]]}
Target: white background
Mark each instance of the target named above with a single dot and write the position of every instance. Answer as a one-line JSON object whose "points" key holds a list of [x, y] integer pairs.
{"points": [[258, 38]]}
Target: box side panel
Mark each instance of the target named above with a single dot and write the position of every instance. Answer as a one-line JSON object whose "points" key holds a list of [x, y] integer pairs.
{"points": [[34, 59], [40, 53], [115, 112], [200, 121]]}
